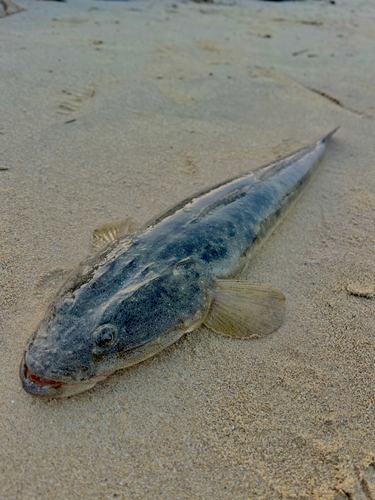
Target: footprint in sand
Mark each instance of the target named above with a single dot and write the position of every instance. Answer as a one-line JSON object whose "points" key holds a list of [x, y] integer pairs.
{"points": [[75, 99]]}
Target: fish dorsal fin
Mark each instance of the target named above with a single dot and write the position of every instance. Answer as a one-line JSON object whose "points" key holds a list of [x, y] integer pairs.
{"points": [[110, 232], [245, 310], [221, 202]]}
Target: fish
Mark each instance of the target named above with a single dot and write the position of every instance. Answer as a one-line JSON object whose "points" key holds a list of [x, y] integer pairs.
{"points": [[143, 288]]}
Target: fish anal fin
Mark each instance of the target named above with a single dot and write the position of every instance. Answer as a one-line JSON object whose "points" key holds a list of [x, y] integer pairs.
{"points": [[111, 231], [245, 310]]}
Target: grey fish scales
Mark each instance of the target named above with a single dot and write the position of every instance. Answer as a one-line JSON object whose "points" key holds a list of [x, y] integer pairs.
{"points": [[140, 292]]}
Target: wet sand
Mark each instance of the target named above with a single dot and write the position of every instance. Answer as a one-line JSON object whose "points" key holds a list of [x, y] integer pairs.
{"points": [[110, 109]]}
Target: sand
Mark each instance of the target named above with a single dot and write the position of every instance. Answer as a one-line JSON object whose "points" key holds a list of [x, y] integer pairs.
{"points": [[110, 109]]}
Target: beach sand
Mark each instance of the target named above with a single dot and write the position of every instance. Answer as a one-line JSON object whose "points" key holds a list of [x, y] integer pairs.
{"points": [[110, 109]]}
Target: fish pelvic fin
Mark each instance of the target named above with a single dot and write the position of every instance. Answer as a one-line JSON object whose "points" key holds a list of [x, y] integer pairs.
{"points": [[245, 310], [111, 231]]}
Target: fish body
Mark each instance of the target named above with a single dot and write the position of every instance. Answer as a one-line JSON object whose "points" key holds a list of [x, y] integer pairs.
{"points": [[142, 291]]}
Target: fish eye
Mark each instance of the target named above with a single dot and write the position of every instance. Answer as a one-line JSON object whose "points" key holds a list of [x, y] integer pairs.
{"points": [[105, 336]]}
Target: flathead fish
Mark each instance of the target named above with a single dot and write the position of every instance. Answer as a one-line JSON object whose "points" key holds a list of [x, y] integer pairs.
{"points": [[142, 290]]}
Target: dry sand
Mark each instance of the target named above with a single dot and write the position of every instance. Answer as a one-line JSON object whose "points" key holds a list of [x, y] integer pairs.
{"points": [[167, 100]]}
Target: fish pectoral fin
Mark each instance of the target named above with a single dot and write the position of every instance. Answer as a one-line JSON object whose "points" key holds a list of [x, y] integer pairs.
{"points": [[245, 310], [111, 231]]}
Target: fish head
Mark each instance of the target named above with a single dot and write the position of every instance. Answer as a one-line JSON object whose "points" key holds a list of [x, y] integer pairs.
{"points": [[109, 323]]}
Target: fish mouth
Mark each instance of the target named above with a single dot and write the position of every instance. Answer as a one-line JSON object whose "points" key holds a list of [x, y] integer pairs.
{"points": [[40, 386], [37, 385]]}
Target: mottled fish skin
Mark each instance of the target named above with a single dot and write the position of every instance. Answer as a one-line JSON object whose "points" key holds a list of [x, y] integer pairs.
{"points": [[145, 290]]}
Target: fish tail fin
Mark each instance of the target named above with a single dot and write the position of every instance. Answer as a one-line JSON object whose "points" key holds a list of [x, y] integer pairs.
{"points": [[329, 135]]}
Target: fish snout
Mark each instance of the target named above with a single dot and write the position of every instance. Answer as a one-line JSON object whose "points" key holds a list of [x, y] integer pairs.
{"points": [[35, 384], [41, 386]]}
